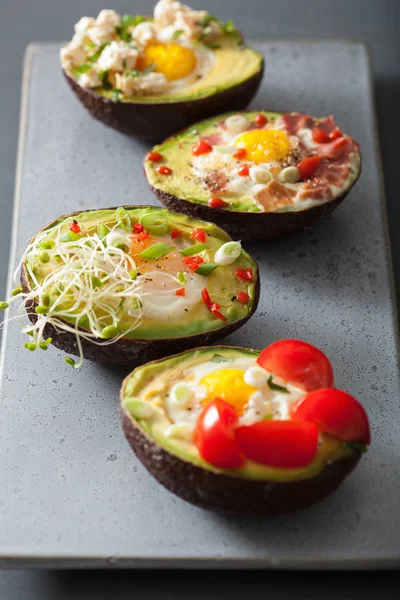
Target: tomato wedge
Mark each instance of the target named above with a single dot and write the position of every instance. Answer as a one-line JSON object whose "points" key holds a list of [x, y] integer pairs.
{"points": [[214, 435], [281, 444], [298, 363], [336, 413]]}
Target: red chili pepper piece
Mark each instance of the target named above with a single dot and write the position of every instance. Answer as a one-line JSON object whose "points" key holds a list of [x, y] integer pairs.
{"points": [[193, 262], [73, 226], [319, 136], [164, 170], [176, 233], [246, 274], [335, 134], [140, 237], [261, 120], [180, 292], [138, 228], [154, 157], [243, 171], [215, 306], [219, 315], [206, 298], [243, 297], [217, 203], [201, 148], [198, 234], [308, 166], [241, 153]]}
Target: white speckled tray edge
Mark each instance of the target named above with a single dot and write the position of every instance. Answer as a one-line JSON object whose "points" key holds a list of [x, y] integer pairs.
{"points": [[10, 556]]}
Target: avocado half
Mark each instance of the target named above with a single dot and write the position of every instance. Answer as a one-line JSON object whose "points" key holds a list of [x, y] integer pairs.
{"points": [[151, 345], [249, 490], [232, 84], [186, 195]]}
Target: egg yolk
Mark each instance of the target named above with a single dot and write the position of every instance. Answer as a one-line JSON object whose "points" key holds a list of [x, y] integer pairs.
{"points": [[173, 60], [229, 385], [170, 263], [264, 145]]}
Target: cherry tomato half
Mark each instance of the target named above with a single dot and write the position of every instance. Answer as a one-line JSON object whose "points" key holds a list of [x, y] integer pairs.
{"points": [[202, 147], [214, 435], [336, 413], [299, 363], [282, 444], [319, 136], [308, 166]]}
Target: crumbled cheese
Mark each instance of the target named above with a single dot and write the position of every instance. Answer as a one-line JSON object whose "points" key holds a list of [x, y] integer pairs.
{"points": [[82, 26], [108, 19], [144, 32], [184, 18], [117, 56], [152, 83], [165, 12], [99, 36], [90, 79], [72, 55]]}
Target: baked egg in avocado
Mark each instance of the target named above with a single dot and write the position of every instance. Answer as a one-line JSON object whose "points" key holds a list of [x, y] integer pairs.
{"points": [[239, 431], [149, 76], [131, 284], [260, 175]]}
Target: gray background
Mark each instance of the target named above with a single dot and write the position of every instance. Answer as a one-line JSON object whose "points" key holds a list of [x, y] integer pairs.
{"points": [[375, 22]]}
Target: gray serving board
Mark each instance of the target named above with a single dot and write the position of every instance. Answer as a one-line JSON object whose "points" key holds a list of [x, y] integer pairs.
{"points": [[72, 493]]}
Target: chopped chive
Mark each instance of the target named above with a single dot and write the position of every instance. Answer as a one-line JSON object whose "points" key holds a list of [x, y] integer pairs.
{"points": [[70, 361], [44, 256], [109, 332], [96, 282], [181, 277], [177, 34], [212, 45], [156, 251], [82, 69], [123, 218], [4, 305], [41, 309], [206, 20], [192, 250], [268, 418], [115, 94], [30, 346], [131, 20], [16, 291], [133, 274], [206, 269], [148, 70], [155, 223], [276, 387]]}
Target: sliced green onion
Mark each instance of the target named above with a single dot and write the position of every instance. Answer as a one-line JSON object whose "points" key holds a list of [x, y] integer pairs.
{"points": [[133, 274], [206, 269], [276, 387], [16, 291], [121, 246], [102, 231], [181, 395], [4, 305], [84, 322], [192, 250], [136, 302], [71, 236], [70, 361], [48, 245], [156, 251], [96, 282], [109, 332], [46, 299], [228, 253], [138, 408], [155, 223], [123, 219], [181, 277], [44, 256], [41, 309], [30, 346]]}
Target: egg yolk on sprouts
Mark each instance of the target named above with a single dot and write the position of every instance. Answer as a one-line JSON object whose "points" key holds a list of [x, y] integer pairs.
{"points": [[173, 60], [264, 145], [229, 385]]}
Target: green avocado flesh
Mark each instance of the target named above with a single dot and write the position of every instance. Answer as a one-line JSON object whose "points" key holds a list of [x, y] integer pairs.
{"points": [[233, 64], [149, 383], [185, 184], [221, 283]]}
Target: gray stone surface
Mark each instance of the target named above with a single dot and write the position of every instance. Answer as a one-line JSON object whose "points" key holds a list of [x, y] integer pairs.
{"points": [[72, 493]]}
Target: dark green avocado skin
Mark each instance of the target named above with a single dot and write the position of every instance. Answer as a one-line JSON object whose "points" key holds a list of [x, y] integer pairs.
{"points": [[129, 351], [153, 122], [233, 495], [252, 226]]}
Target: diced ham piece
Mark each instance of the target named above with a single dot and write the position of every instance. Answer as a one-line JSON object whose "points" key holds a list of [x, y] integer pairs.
{"points": [[216, 182], [327, 174], [339, 150], [293, 122], [327, 125], [275, 195], [213, 139]]}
